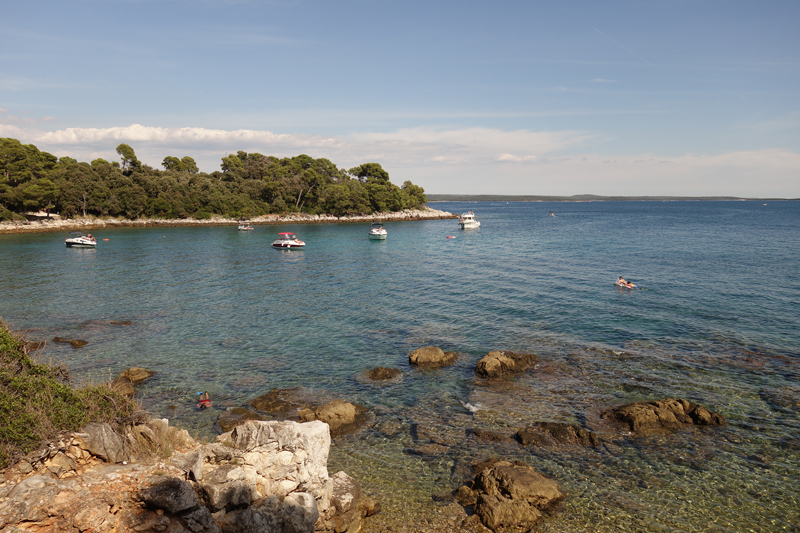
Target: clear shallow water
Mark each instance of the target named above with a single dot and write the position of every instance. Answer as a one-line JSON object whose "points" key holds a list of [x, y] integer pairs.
{"points": [[219, 310]]}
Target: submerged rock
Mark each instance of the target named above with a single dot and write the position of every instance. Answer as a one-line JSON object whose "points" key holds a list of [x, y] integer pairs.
{"points": [[383, 374], [136, 375], [431, 357], [662, 416], [237, 416], [555, 433], [499, 363]]}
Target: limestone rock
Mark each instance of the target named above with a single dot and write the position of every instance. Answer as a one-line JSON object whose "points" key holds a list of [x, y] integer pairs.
{"points": [[662, 416], [104, 442], [498, 363], [431, 357]]}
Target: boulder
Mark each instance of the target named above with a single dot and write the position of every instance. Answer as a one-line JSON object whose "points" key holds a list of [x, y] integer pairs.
{"points": [[555, 433], [171, 494], [499, 363], [136, 375], [431, 357], [342, 417], [511, 495], [662, 416], [102, 441]]}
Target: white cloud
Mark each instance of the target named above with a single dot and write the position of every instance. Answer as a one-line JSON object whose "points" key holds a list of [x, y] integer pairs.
{"points": [[468, 161]]}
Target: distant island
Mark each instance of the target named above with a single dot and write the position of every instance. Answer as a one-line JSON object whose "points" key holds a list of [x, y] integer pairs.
{"points": [[583, 198]]}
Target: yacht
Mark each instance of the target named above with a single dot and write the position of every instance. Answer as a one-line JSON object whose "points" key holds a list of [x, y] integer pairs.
{"points": [[467, 221]]}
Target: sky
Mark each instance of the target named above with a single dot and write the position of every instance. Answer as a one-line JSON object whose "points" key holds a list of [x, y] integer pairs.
{"points": [[645, 97]]}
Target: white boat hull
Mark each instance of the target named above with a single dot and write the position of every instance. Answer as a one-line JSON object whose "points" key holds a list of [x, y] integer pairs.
{"points": [[377, 236], [470, 225], [80, 242]]}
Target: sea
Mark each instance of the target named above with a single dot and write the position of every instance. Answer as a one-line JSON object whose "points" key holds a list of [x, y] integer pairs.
{"points": [[715, 320]]}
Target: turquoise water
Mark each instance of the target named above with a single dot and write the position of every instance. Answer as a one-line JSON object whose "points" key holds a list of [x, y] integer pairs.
{"points": [[717, 323]]}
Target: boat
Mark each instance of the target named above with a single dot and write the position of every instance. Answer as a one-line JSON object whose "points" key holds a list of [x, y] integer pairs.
{"points": [[245, 227], [376, 232], [467, 221], [82, 241], [288, 241]]}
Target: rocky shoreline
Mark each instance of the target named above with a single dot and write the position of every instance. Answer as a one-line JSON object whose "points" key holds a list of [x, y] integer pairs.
{"points": [[55, 223]]}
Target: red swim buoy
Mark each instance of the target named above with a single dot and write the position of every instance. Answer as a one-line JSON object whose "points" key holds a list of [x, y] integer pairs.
{"points": [[105, 239]]}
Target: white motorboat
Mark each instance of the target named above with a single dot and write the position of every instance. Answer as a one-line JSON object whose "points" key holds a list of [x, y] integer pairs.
{"points": [[245, 227], [467, 221], [83, 241], [376, 232], [288, 241]]}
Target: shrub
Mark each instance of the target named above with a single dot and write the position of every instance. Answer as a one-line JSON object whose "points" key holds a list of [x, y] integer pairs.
{"points": [[37, 402]]}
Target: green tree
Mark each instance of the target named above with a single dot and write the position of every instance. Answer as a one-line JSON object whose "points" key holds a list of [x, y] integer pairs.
{"points": [[369, 171], [40, 194], [129, 161]]}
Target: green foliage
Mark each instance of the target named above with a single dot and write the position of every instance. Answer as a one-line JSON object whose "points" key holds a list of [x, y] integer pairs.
{"points": [[248, 185], [36, 403]]}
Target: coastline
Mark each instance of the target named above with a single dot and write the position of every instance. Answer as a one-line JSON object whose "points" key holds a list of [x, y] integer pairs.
{"points": [[55, 223]]}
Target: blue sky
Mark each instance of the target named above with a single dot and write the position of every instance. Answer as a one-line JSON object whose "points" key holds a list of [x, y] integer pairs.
{"points": [[617, 97]]}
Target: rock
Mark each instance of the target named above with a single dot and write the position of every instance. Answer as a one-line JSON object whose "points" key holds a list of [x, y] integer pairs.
{"points": [[231, 418], [32, 346], [513, 495], [123, 386], [136, 375], [383, 374], [662, 416], [280, 400], [554, 433], [102, 441], [498, 363], [431, 357], [490, 436], [172, 495], [75, 343]]}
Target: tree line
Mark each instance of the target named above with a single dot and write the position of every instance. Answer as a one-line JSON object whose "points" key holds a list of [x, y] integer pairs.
{"points": [[247, 185]]}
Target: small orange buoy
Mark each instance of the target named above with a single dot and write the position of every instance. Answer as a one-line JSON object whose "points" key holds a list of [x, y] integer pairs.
{"points": [[105, 239]]}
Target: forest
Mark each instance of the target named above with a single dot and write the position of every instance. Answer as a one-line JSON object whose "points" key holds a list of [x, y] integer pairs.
{"points": [[247, 185]]}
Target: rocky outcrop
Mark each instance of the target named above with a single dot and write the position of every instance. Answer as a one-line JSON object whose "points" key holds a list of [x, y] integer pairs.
{"points": [[262, 476], [499, 363], [506, 494], [662, 416], [431, 357], [554, 433]]}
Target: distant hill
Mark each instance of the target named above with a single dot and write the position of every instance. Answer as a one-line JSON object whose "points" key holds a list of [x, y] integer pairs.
{"points": [[578, 198]]}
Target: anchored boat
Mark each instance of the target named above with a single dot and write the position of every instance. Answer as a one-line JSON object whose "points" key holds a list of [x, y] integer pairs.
{"points": [[288, 241]]}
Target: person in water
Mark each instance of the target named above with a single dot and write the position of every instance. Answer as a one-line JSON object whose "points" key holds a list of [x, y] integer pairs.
{"points": [[203, 401]]}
